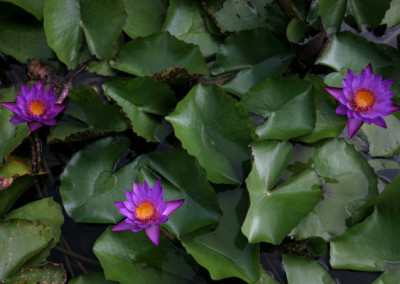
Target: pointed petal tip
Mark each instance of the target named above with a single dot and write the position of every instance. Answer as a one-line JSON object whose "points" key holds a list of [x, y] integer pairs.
{"points": [[368, 69], [353, 126], [33, 125], [172, 206], [335, 92], [153, 232]]}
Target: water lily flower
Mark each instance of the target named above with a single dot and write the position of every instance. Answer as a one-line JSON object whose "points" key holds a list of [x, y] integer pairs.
{"points": [[365, 98], [145, 209], [35, 106]]}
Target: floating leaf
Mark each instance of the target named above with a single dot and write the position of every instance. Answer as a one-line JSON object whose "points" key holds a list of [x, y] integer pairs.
{"points": [[144, 18], [21, 35], [244, 49], [21, 240], [43, 273], [288, 103], [91, 277], [63, 30], [102, 23], [92, 117], [391, 274], [220, 148], [154, 53], [272, 214], [48, 212], [183, 178], [126, 255], [392, 15], [308, 270], [369, 243], [368, 12], [33, 7], [140, 99], [185, 20], [90, 183], [332, 13], [225, 251], [349, 181]]}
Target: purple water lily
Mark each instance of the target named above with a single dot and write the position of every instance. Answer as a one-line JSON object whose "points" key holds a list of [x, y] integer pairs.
{"points": [[145, 209], [365, 98], [35, 106]]}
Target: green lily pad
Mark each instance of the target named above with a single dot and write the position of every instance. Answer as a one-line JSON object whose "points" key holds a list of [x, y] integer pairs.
{"points": [[63, 31], [241, 15], [42, 273], [225, 251], [92, 169], [92, 117], [185, 20], [141, 99], [21, 240], [148, 55], [48, 212], [144, 18], [288, 105], [273, 213], [332, 13], [308, 270], [383, 142], [244, 49], [220, 148], [33, 7], [21, 35], [127, 256], [368, 244], [348, 183], [391, 274], [327, 123], [12, 134], [102, 24], [392, 15], [368, 12], [91, 277], [183, 178]]}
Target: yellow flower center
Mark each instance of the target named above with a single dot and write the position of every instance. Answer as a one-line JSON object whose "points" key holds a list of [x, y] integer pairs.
{"points": [[364, 99], [145, 211], [36, 107]]}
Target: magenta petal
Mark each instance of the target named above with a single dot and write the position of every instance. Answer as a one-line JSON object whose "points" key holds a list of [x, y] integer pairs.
{"points": [[335, 92], [50, 121], [11, 106], [136, 187], [17, 119], [368, 69], [172, 206], [342, 109], [33, 125], [380, 122], [57, 108], [122, 226], [153, 232], [353, 126]]}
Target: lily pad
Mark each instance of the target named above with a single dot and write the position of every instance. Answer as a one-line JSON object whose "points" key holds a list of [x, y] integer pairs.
{"points": [[46, 273], [127, 256], [92, 169], [91, 117], [91, 277], [225, 251], [332, 13], [368, 244], [33, 7], [148, 55], [183, 178], [220, 148], [288, 105], [392, 15], [141, 99], [368, 12]]}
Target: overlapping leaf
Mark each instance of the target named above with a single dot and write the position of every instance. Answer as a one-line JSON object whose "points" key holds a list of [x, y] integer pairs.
{"points": [[90, 184], [127, 256], [90, 117], [183, 178], [48, 273], [225, 251], [221, 148], [273, 213], [140, 99], [154, 53]]}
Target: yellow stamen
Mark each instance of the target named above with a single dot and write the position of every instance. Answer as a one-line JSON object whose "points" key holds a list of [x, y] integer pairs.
{"points": [[364, 99], [36, 107], [145, 211]]}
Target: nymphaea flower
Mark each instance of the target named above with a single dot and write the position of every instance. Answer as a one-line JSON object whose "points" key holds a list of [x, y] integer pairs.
{"points": [[365, 98], [145, 209], [35, 106]]}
